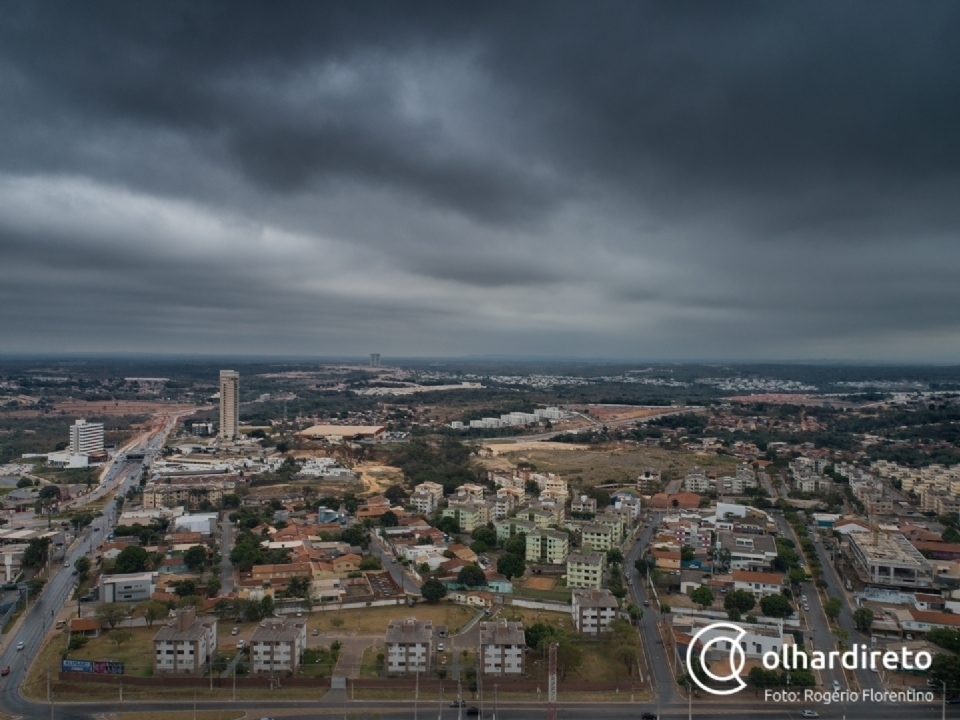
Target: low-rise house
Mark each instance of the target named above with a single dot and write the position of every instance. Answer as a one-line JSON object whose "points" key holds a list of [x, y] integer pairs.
{"points": [[593, 611], [501, 648], [88, 627], [277, 646], [186, 645], [128, 587], [409, 645], [760, 584]]}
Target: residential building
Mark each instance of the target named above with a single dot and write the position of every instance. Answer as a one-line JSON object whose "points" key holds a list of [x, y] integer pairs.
{"points": [[548, 546], [599, 538], [186, 645], [426, 497], [583, 505], [229, 404], [501, 648], [585, 570], [469, 515], [697, 481], [649, 481], [593, 611], [508, 499], [625, 501], [277, 646], [509, 527], [760, 584], [161, 494], [409, 645], [617, 522], [757, 640], [129, 587], [86, 438]]}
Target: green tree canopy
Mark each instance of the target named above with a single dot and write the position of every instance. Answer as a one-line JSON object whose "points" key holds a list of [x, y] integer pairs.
{"points": [[740, 601], [433, 590], [776, 605], [195, 557], [471, 576], [511, 566], [112, 613], [832, 608], [132, 559], [863, 620], [702, 596]]}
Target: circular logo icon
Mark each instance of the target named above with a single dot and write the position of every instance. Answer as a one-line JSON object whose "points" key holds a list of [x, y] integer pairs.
{"points": [[716, 633]]}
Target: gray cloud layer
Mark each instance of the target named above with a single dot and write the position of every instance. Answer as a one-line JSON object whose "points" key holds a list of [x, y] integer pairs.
{"points": [[654, 180]]}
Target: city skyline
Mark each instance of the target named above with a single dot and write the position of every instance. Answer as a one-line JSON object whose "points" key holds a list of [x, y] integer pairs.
{"points": [[637, 181]]}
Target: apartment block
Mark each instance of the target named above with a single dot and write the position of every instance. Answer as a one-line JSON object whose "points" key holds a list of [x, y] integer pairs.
{"points": [[585, 570], [548, 546], [186, 645], [599, 538], [508, 499], [583, 505], [509, 527], [409, 645], [277, 646], [469, 515], [593, 611], [229, 404], [501, 648]]}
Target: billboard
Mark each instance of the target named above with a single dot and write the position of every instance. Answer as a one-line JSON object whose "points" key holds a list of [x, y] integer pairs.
{"points": [[102, 667]]}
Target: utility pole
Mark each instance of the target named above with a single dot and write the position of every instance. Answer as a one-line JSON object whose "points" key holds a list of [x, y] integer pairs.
{"points": [[552, 684], [416, 695]]}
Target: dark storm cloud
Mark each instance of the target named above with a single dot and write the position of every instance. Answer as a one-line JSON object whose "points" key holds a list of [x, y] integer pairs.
{"points": [[658, 179]]}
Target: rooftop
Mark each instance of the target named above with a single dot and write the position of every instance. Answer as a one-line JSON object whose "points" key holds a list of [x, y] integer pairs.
{"points": [[502, 632]]}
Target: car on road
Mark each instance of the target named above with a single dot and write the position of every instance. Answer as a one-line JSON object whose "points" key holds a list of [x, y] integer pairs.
{"points": [[440, 647], [648, 716], [803, 597], [810, 714], [235, 631], [20, 645], [473, 710], [836, 685], [458, 703], [5, 670], [241, 643], [646, 603]]}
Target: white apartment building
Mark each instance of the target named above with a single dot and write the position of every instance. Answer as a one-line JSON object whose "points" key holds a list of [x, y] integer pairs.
{"points": [[229, 404], [86, 438], [427, 496], [501, 648], [277, 646], [409, 646], [585, 570], [508, 499], [697, 481], [186, 645], [593, 611]]}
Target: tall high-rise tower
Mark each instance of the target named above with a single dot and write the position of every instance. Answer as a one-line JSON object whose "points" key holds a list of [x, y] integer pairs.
{"points": [[229, 404], [374, 359]]}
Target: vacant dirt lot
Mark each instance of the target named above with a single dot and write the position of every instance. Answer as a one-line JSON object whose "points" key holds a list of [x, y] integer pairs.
{"points": [[112, 408], [616, 413], [540, 583]]}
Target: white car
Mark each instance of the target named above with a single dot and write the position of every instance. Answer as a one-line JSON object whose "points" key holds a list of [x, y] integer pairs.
{"points": [[836, 684], [20, 645], [439, 647]]}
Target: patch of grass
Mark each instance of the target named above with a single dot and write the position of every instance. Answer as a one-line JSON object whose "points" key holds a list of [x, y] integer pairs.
{"points": [[373, 621], [558, 594], [136, 653], [369, 667]]}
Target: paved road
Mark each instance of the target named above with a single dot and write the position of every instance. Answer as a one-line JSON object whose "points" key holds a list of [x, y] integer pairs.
{"points": [[393, 567]]}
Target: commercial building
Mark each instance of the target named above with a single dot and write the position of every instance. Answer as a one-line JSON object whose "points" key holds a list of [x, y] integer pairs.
{"points": [[888, 560], [277, 646], [547, 546], [229, 404], [336, 433], [585, 570], [757, 640], [593, 611], [748, 552], [130, 587], [409, 644], [501, 648], [186, 645], [86, 438]]}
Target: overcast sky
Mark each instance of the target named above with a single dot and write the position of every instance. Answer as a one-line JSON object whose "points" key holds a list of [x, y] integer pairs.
{"points": [[651, 181]]}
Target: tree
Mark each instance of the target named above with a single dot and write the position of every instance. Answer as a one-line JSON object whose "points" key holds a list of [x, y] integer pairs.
{"points": [[24, 483], [185, 587], [389, 519], [82, 566], [132, 559], [951, 535], [111, 613], [485, 534], [396, 494], [370, 563], [777, 606], [152, 611], [266, 606], [702, 596], [863, 619], [832, 608], [517, 545], [478, 546], [36, 553], [796, 576], [222, 609], [298, 587], [739, 602], [433, 590], [511, 566], [614, 556], [471, 576], [49, 492], [213, 587], [195, 557], [945, 669], [120, 636], [635, 613], [448, 525], [686, 553]]}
